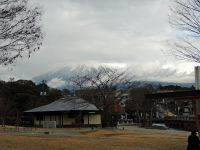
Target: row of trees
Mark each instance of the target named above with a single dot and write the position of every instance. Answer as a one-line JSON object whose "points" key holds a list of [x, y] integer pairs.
{"points": [[21, 95]]}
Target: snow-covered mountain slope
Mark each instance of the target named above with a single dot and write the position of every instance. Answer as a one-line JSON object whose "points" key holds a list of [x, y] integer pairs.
{"points": [[61, 78]]}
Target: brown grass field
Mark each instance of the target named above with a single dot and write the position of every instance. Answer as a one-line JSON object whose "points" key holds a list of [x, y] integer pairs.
{"points": [[98, 139]]}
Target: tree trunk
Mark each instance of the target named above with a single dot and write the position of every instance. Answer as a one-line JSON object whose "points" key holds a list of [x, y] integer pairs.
{"points": [[139, 117], [105, 118], [3, 121]]}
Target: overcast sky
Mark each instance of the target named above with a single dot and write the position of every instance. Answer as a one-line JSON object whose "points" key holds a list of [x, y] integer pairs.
{"points": [[119, 33]]}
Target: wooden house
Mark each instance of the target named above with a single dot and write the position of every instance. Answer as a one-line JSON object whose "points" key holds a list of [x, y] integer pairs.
{"points": [[68, 111]]}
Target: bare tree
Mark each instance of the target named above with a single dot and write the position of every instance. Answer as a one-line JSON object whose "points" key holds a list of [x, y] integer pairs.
{"points": [[140, 107], [20, 30], [99, 86], [185, 16]]}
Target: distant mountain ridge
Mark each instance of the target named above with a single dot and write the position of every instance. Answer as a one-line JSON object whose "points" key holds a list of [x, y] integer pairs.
{"points": [[64, 75], [167, 83]]}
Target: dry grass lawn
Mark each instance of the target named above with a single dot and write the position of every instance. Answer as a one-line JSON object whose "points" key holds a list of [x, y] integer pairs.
{"points": [[98, 139]]}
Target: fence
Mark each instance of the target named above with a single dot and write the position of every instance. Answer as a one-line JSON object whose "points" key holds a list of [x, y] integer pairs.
{"points": [[125, 122]]}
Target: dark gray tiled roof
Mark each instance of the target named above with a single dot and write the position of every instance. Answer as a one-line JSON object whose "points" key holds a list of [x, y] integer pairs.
{"points": [[66, 104]]}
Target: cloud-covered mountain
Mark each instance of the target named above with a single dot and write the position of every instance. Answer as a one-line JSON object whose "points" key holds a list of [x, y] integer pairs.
{"points": [[61, 78]]}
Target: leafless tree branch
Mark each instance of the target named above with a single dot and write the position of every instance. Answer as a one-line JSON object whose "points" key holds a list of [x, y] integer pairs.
{"points": [[20, 30], [185, 16]]}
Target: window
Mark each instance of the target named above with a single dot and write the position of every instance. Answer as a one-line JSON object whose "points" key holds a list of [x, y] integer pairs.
{"points": [[39, 117]]}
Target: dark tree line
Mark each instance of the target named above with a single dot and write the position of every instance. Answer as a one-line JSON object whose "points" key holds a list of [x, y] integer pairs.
{"points": [[19, 96]]}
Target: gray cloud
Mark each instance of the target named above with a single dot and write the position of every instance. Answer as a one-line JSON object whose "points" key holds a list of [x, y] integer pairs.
{"points": [[56, 83], [131, 32]]}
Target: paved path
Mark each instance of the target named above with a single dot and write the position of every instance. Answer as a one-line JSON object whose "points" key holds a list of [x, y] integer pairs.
{"points": [[55, 133], [158, 131]]}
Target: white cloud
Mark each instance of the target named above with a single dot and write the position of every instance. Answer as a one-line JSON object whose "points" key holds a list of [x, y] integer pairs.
{"points": [[120, 33], [177, 72], [56, 83]]}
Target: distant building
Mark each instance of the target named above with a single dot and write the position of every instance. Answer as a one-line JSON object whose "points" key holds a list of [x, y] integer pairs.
{"points": [[112, 99], [116, 101], [69, 111]]}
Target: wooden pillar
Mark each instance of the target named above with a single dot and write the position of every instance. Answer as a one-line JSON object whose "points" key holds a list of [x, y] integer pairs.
{"points": [[196, 115], [62, 119], [88, 119]]}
